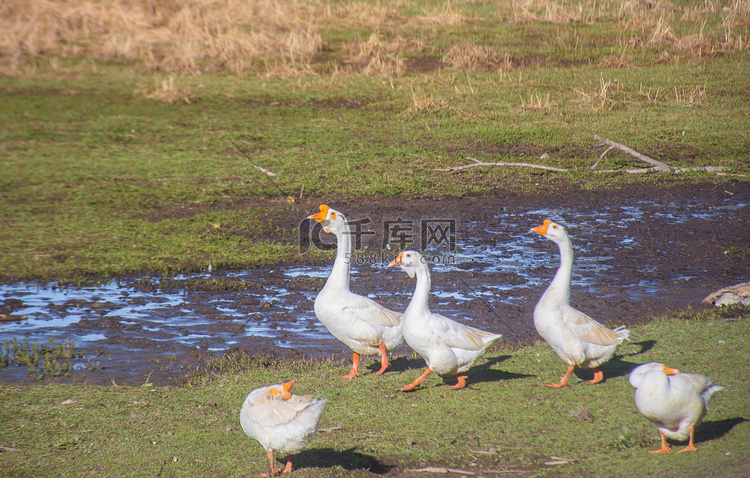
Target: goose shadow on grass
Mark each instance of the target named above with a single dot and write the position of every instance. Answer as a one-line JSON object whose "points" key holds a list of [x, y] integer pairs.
{"points": [[347, 459], [481, 372], [713, 429], [616, 366]]}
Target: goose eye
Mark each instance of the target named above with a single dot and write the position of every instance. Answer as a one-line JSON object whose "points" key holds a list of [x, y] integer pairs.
{"points": [[554, 227], [333, 215]]}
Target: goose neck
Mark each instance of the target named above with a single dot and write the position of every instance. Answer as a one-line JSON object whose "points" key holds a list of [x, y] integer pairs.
{"points": [[420, 300], [560, 285], [341, 266]]}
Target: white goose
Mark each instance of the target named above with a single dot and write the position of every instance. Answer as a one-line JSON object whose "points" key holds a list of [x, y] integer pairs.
{"points": [[362, 324], [280, 421], [449, 348], [675, 402], [577, 338]]}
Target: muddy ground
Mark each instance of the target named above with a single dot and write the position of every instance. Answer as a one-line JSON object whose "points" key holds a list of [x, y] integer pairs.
{"points": [[688, 257]]}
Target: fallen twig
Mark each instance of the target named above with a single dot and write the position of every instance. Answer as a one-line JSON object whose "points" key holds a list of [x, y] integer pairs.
{"points": [[656, 164], [476, 163], [558, 460], [330, 429], [432, 469]]}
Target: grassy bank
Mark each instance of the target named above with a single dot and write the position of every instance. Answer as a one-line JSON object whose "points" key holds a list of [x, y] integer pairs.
{"points": [[121, 124], [505, 423]]}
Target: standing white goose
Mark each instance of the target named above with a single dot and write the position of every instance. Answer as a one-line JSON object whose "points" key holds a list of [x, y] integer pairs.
{"points": [[577, 338], [449, 348], [362, 324], [280, 421], [675, 402]]}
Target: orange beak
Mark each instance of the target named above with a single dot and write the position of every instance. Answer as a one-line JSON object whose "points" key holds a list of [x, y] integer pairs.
{"points": [[287, 394], [398, 260], [321, 216], [543, 228], [669, 370]]}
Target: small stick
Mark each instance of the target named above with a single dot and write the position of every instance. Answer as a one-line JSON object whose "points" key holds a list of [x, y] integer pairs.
{"points": [[657, 164], [480, 163], [601, 157]]}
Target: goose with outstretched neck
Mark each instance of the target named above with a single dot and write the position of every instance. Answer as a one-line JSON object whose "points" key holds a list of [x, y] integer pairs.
{"points": [[577, 338], [362, 324], [449, 348]]}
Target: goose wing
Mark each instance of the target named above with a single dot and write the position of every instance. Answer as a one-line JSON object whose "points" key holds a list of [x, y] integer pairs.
{"points": [[459, 336], [278, 412], [588, 329], [360, 308]]}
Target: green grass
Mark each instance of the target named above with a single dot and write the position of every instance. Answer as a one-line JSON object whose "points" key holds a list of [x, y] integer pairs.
{"points": [[101, 178], [79, 430], [103, 182]]}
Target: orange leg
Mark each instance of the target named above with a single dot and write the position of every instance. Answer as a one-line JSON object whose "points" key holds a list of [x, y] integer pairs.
{"points": [[416, 382], [274, 471], [383, 359], [288, 466], [355, 365], [664, 448], [460, 384], [598, 376], [564, 380], [691, 446]]}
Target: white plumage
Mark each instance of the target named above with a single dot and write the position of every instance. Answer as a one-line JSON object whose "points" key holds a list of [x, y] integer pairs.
{"points": [[280, 421], [675, 402], [362, 324], [447, 346], [577, 338]]}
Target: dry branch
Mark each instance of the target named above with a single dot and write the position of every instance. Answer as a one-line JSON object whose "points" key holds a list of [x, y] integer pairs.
{"points": [[656, 164], [476, 163]]}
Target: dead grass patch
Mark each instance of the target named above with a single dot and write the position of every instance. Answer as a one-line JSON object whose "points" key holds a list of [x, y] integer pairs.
{"points": [[360, 14], [169, 90], [383, 59], [165, 35], [471, 57], [601, 97], [445, 16], [535, 102], [530, 11]]}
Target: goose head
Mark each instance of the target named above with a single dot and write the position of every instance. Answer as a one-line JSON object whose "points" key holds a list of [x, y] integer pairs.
{"points": [[552, 231], [408, 260], [280, 391], [331, 219], [638, 374]]}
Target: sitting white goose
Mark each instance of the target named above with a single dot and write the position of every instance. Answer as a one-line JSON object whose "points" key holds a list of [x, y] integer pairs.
{"points": [[675, 402], [449, 348], [577, 338], [365, 326], [280, 421]]}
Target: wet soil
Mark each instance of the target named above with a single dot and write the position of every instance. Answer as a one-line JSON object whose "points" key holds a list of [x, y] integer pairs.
{"points": [[641, 252]]}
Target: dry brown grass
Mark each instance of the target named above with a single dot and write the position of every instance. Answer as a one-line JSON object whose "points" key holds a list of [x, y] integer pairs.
{"points": [[377, 58], [161, 35], [470, 57], [445, 16], [530, 11], [361, 14], [535, 102], [283, 39], [169, 90], [421, 101], [601, 97]]}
